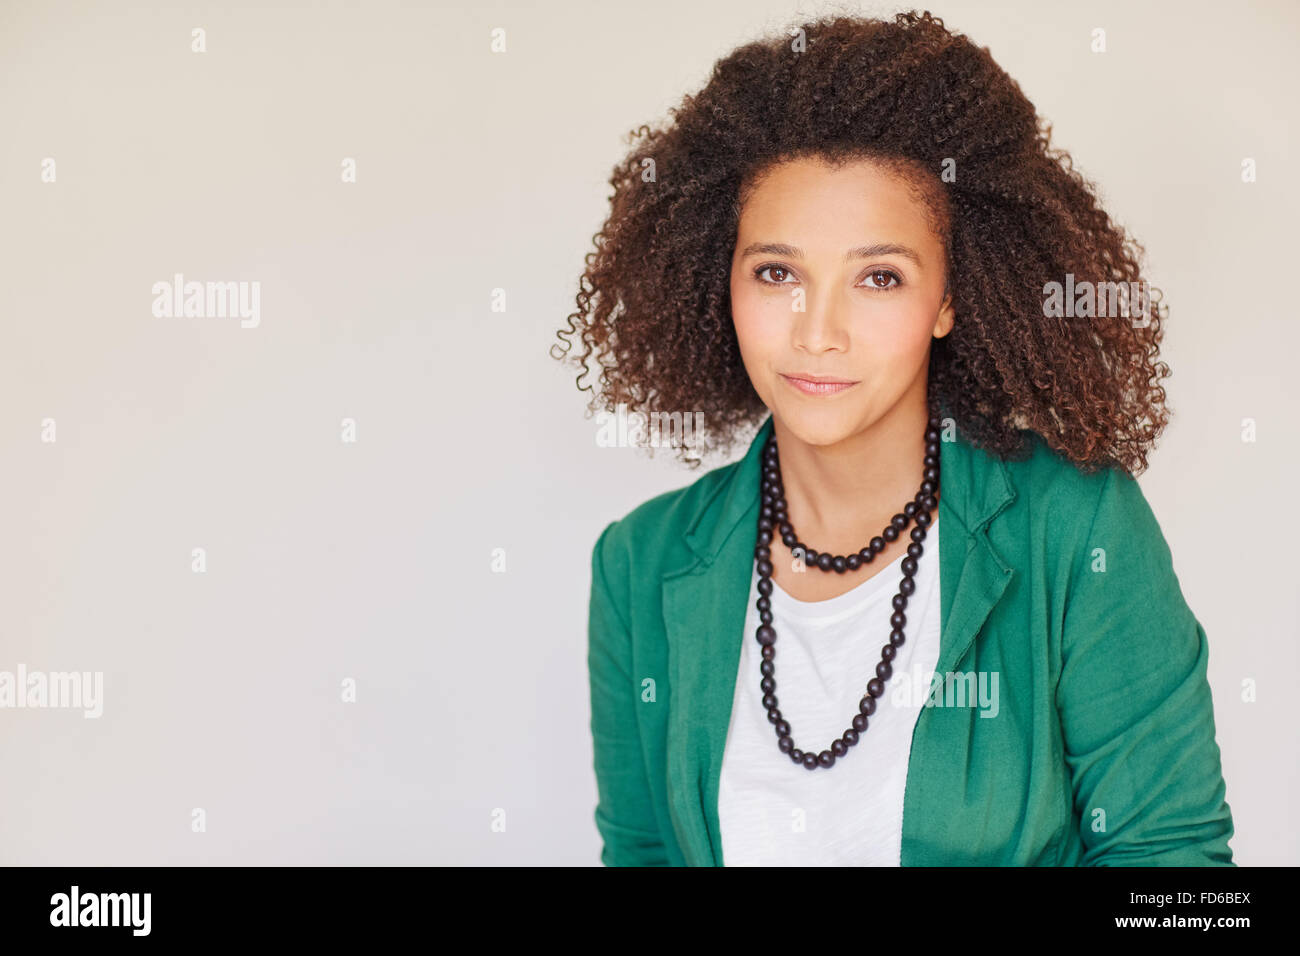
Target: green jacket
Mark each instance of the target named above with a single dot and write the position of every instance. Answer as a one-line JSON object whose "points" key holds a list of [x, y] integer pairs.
{"points": [[1102, 751]]}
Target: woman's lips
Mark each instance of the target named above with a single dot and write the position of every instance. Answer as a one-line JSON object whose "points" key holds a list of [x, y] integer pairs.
{"points": [[810, 387]]}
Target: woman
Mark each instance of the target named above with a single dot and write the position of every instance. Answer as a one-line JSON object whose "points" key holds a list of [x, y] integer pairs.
{"points": [[859, 238]]}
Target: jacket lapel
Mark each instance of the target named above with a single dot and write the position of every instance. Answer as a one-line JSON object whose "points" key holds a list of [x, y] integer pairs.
{"points": [[705, 603], [704, 615], [974, 489]]}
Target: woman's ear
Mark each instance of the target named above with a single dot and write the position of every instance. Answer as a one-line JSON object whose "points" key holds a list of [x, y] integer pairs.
{"points": [[943, 323]]}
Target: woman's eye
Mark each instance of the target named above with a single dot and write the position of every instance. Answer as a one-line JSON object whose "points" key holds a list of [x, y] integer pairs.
{"points": [[879, 279], [780, 271]]}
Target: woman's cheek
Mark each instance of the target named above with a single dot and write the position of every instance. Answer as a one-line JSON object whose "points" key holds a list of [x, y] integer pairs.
{"points": [[755, 320], [898, 332]]}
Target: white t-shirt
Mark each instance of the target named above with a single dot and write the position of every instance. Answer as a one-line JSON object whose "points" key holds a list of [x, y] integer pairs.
{"points": [[774, 812]]}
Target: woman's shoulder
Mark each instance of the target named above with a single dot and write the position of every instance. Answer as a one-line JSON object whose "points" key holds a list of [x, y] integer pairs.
{"points": [[654, 531], [1086, 510], [1061, 487]]}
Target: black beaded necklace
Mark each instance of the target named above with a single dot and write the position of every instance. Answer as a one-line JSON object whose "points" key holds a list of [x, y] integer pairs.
{"points": [[772, 514]]}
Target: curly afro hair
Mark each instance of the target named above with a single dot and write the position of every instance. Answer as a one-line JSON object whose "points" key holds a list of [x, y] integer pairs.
{"points": [[653, 303]]}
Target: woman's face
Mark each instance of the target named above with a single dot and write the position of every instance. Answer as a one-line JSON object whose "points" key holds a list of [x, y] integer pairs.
{"points": [[836, 274]]}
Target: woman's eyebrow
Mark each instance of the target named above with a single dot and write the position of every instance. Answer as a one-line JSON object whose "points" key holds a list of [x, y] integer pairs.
{"points": [[862, 252]]}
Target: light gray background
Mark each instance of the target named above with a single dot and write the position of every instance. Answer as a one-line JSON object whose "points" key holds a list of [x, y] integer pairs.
{"points": [[373, 560]]}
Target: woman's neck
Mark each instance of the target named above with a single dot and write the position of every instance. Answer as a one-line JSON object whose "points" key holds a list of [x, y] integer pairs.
{"points": [[842, 495]]}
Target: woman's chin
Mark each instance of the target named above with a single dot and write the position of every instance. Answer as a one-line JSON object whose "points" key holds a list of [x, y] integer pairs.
{"points": [[822, 427]]}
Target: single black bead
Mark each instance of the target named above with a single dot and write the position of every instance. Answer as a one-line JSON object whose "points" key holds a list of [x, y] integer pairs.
{"points": [[890, 533], [765, 586], [765, 617], [810, 760], [867, 706], [824, 561], [826, 758], [897, 619], [769, 700], [769, 652], [884, 669], [767, 668], [908, 565], [909, 509], [896, 637], [875, 687], [839, 564], [907, 585], [853, 561], [783, 727], [859, 722], [764, 603], [784, 744], [877, 544], [765, 567], [839, 748], [767, 685], [887, 652], [899, 521], [765, 634], [899, 601]]}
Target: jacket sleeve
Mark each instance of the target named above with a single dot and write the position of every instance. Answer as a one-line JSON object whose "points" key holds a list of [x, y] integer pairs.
{"points": [[625, 811], [1135, 707]]}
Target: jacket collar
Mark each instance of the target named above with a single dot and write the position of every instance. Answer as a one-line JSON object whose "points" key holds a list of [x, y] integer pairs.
{"points": [[705, 603]]}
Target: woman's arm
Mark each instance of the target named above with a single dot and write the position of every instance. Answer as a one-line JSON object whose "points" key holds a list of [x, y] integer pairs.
{"points": [[1135, 705], [625, 812]]}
